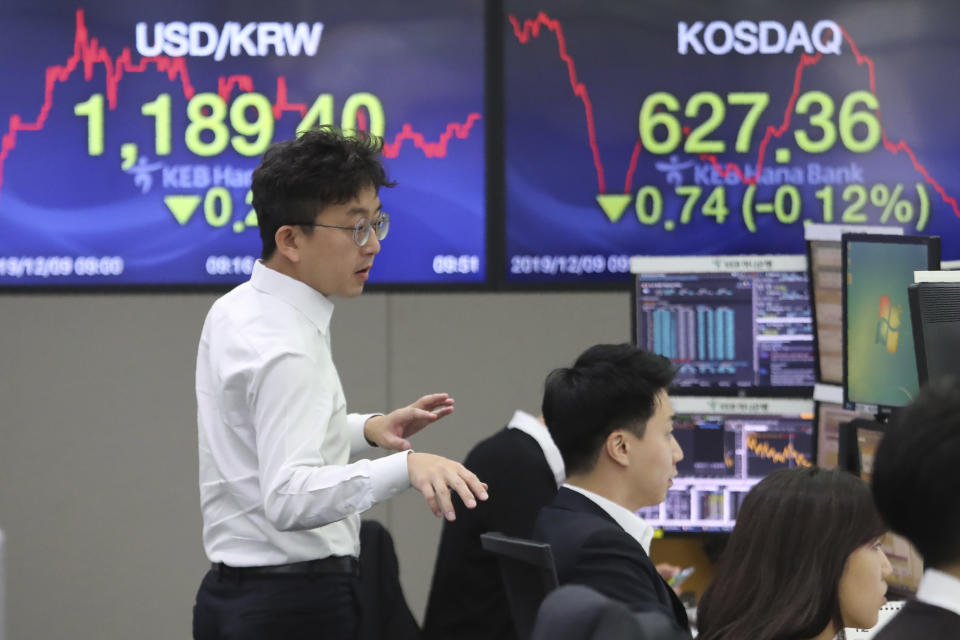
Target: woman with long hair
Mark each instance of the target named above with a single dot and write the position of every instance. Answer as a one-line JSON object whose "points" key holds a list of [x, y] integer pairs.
{"points": [[803, 561]]}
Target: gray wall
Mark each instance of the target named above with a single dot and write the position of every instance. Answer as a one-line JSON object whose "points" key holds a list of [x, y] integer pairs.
{"points": [[98, 495]]}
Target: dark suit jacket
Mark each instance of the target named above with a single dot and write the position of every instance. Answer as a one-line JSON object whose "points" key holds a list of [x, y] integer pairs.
{"points": [[467, 600], [590, 548], [919, 620]]}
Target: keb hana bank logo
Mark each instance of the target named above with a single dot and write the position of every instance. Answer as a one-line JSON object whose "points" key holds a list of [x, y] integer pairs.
{"points": [[888, 325]]}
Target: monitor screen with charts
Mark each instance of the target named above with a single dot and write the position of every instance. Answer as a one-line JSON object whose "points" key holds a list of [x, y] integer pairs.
{"points": [[729, 444], [129, 133], [718, 128], [729, 323]]}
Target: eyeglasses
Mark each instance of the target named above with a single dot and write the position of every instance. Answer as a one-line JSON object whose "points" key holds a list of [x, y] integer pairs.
{"points": [[361, 230]]}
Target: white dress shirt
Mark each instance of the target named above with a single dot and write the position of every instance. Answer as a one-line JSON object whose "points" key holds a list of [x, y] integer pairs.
{"points": [[523, 421], [274, 434], [940, 589], [637, 527]]}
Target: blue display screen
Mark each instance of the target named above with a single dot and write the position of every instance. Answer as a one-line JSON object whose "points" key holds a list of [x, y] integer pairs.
{"points": [[694, 127], [130, 132]]}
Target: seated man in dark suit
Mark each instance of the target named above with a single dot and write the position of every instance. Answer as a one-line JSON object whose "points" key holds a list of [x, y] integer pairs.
{"points": [[610, 416], [916, 484], [523, 467]]}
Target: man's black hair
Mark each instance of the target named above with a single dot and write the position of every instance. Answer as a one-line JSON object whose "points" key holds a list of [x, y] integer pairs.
{"points": [[298, 178], [609, 387], [916, 473]]}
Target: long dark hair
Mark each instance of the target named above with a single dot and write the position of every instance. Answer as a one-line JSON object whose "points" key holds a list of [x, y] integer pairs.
{"points": [[779, 576]]}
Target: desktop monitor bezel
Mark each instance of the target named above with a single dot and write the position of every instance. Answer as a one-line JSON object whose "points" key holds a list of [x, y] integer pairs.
{"points": [[933, 264]]}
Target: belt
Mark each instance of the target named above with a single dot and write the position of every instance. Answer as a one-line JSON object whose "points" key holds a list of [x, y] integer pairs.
{"points": [[333, 564]]}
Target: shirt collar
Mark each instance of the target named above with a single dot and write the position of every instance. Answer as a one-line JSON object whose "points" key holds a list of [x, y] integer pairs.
{"points": [[299, 295], [940, 589], [633, 524], [523, 421]]}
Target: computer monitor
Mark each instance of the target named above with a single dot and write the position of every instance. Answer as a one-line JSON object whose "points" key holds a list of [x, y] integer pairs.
{"points": [[825, 273], [729, 323], [935, 315], [880, 368], [729, 444], [829, 417], [865, 436]]}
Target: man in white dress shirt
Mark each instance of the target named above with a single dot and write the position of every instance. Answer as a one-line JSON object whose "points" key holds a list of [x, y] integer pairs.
{"points": [[280, 500], [916, 484]]}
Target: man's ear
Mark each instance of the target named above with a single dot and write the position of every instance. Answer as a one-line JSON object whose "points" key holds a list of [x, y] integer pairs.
{"points": [[288, 238], [617, 446]]}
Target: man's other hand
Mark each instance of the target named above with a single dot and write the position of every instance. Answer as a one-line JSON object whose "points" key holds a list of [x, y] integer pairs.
{"points": [[392, 430], [435, 477]]}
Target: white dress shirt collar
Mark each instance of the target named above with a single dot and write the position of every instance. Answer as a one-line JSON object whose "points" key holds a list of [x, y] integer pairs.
{"points": [[525, 422], [940, 589], [633, 524], [299, 295]]}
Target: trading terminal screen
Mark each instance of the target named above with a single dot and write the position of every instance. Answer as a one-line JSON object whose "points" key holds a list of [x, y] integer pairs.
{"points": [[736, 330], [729, 444]]}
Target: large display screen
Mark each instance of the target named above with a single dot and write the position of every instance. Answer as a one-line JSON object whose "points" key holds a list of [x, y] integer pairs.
{"points": [[729, 445], [698, 127], [130, 131]]}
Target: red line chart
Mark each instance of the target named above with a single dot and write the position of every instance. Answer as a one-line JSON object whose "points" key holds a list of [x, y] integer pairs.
{"points": [[88, 52], [529, 29]]}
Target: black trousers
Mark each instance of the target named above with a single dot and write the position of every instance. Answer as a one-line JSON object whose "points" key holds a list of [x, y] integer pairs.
{"points": [[277, 607]]}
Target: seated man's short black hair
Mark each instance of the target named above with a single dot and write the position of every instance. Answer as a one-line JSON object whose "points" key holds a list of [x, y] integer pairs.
{"points": [[610, 386], [916, 473]]}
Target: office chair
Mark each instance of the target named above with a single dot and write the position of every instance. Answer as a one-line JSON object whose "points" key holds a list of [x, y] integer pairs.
{"points": [[578, 612], [528, 574], [385, 610]]}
